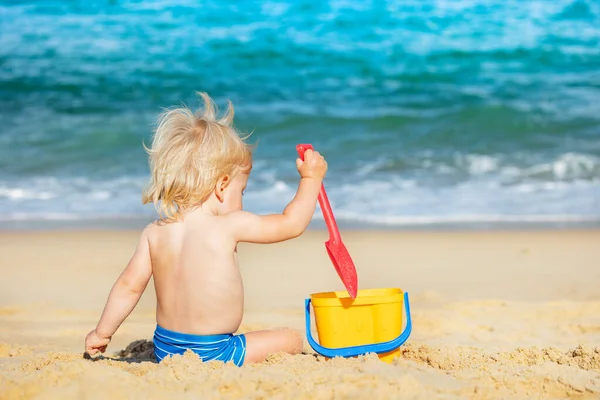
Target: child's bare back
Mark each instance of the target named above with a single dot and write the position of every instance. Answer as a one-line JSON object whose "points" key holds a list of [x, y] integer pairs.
{"points": [[197, 280], [200, 168]]}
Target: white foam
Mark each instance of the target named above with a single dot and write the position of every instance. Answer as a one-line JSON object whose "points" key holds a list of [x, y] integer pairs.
{"points": [[480, 164], [471, 188], [23, 194]]}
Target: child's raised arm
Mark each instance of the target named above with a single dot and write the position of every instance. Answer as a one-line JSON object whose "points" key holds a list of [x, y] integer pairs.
{"points": [[123, 297], [294, 220]]}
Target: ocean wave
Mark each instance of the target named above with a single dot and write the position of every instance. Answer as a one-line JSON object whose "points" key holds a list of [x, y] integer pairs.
{"points": [[506, 169], [492, 192]]}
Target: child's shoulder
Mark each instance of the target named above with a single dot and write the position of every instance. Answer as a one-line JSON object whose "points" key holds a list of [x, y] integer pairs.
{"points": [[157, 234], [155, 230], [147, 232]]}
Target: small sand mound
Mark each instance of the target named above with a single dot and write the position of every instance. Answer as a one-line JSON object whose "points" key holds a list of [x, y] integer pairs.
{"points": [[462, 358], [581, 356]]}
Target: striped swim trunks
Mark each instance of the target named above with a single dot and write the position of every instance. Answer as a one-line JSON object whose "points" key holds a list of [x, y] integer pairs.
{"points": [[225, 347]]}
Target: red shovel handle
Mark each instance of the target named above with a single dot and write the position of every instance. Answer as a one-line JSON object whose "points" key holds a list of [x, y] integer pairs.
{"points": [[334, 232]]}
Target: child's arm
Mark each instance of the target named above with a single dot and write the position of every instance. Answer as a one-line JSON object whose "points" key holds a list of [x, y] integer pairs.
{"points": [[294, 220], [123, 297]]}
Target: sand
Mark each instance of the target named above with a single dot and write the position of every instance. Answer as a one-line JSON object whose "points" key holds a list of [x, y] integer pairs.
{"points": [[499, 314]]}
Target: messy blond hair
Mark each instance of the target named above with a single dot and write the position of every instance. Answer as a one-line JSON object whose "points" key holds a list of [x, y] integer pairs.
{"points": [[189, 153]]}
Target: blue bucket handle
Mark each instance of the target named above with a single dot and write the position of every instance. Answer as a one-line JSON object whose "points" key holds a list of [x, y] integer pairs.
{"points": [[354, 351]]}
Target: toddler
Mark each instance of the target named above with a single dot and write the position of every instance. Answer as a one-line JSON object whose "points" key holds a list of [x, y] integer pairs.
{"points": [[199, 169]]}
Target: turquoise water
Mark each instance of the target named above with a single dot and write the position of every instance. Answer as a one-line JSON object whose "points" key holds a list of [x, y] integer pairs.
{"points": [[427, 111]]}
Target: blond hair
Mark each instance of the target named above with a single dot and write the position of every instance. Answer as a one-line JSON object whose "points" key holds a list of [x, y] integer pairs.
{"points": [[189, 153]]}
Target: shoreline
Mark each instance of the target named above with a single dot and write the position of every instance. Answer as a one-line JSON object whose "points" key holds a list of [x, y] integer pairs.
{"points": [[138, 223]]}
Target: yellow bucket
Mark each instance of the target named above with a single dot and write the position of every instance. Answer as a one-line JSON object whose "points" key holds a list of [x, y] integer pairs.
{"points": [[370, 323]]}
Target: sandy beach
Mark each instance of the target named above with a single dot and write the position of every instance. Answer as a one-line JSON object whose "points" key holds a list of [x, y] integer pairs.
{"points": [[496, 314]]}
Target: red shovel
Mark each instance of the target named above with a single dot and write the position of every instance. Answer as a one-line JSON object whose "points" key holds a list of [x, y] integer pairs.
{"points": [[335, 248]]}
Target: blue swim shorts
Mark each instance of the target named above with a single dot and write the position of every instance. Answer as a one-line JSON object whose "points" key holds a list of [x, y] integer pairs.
{"points": [[225, 347]]}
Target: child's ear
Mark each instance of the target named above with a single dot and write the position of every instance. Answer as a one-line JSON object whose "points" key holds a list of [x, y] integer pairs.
{"points": [[222, 183]]}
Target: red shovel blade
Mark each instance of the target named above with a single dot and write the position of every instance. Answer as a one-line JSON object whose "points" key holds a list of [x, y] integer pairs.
{"points": [[338, 253], [343, 264]]}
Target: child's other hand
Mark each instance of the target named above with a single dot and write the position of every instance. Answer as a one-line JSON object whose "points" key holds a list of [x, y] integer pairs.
{"points": [[313, 166], [94, 343]]}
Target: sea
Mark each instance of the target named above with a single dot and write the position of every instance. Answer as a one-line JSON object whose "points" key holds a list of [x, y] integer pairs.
{"points": [[430, 113]]}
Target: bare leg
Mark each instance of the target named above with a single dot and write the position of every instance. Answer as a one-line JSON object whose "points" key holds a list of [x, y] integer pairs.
{"points": [[259, 344]]}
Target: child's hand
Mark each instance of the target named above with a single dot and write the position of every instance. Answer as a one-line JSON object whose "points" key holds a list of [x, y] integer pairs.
{"points": [[313, 166], [94, 343]]}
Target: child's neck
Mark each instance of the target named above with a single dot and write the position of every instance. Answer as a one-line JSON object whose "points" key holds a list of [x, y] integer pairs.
{"points": [[210, 207]]}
